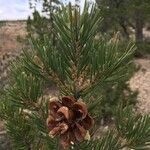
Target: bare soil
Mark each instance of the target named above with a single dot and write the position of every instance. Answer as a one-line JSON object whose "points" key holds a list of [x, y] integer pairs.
{"points": [[141, 82], [9, 32]]}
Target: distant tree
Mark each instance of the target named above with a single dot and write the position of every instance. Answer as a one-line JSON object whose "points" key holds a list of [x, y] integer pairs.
{"points": [[140, 13], [114, 15], [125, 14]]}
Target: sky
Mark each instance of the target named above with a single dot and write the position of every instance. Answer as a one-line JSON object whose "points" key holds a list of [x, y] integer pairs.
{"points": [[19, 9], [14, 9]]}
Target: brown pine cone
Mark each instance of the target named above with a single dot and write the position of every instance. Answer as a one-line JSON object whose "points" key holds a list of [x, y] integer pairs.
{"points": [[68, 119]]}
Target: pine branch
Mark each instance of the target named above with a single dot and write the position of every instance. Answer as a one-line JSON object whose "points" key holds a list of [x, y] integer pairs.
{"points": [[134, 129], [107, 142], [37, 120], [79, 63], [26, 90]]}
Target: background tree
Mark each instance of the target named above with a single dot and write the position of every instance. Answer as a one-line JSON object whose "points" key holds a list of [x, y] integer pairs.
{"points": [[140, 13], [126, 14], [115, 18]]}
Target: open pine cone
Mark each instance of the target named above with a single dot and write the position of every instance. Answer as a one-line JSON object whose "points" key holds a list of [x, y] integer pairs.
{"points": [[68, 119]]}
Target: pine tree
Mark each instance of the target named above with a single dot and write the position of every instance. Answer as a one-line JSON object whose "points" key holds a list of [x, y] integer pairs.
{"points": [[79, 65]]}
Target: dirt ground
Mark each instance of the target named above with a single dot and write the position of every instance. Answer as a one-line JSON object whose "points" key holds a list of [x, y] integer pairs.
{"points": [[10, 31], [141, 82]]}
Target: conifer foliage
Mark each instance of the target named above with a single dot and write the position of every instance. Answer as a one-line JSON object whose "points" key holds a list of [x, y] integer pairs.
{"points": [[78, 64]]}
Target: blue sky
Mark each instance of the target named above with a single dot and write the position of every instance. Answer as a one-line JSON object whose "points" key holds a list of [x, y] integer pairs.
{"points": [[18, 9]]}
